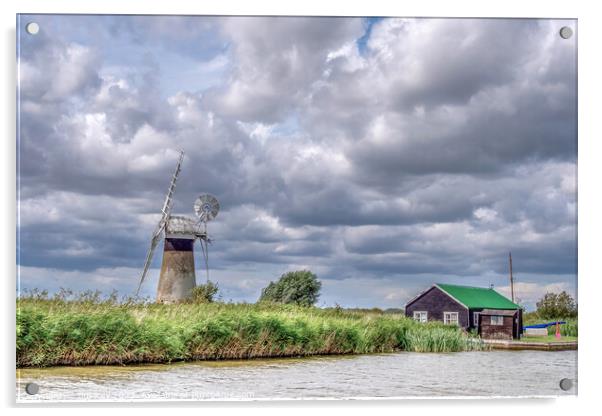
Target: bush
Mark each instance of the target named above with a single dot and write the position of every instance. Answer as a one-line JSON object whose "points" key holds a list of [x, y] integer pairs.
{"points": [[205, 293], [300, 288], [554, 305]]}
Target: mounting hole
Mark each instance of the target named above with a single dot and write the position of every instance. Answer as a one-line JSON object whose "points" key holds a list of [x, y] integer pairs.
{"points": [[566, 32], [32, 28], [32, 388], [566, 384]]}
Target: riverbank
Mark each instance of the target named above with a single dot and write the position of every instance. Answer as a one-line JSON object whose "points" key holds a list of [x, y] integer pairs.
{"points": [[533, 344], [53, 332]]}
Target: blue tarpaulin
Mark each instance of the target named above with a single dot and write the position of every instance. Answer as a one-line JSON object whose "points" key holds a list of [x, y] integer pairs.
{"points": [[544, 325]]}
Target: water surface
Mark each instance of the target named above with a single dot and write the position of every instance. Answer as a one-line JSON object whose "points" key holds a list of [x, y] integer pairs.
{"points": [[488, 373]]}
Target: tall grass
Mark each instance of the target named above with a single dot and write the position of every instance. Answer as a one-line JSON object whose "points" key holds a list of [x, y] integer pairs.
{"points": [[92, 331], [569, 329]]}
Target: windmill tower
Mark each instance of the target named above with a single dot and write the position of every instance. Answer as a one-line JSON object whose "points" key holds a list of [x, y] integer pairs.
{"points": [[177, 278]]}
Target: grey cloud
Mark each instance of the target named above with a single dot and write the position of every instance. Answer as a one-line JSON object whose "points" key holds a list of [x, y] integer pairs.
{"points": [[517, 101], [277, 61]]}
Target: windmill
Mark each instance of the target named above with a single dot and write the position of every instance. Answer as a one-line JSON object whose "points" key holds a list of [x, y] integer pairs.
{"points": [[177, 278]]}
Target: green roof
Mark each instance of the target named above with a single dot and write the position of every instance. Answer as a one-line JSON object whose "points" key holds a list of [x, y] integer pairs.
{"points": [[478, 297]]}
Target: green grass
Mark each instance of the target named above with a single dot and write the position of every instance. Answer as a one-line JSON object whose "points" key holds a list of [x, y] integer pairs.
{"points": [[549, 338], [90, 331]]}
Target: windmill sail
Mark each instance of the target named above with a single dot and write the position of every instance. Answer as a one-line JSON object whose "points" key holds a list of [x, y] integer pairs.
{"points": [[206, 208], [172, 187], [165, 213], [149, 257]]}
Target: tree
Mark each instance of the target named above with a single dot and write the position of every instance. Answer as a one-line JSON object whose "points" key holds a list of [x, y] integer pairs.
{"points": [[205, 293], [557, 305], [301, 287]]}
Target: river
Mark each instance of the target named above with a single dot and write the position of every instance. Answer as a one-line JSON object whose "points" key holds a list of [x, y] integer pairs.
{"points": [[488, 373]]}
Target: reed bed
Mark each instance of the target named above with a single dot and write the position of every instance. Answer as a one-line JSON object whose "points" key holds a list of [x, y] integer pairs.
{"points": [[90, 331]]}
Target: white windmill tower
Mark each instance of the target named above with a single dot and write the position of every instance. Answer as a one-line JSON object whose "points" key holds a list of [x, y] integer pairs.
{"points": [[177, 278]]}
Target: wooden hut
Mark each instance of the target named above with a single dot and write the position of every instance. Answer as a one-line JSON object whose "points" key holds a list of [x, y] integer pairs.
{"points": [[491, 314]]}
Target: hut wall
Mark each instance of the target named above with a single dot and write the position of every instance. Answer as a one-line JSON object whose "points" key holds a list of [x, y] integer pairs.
{"points": [[489, 331], [435, 302]]}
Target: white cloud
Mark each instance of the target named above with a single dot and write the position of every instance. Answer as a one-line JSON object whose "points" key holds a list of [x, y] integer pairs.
{"points": [[485, 214], [102, 279], [59, 71], [528, 293], [364, 293]]}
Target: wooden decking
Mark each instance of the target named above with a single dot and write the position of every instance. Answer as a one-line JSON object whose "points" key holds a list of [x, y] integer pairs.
{"points": [[539, 346]]}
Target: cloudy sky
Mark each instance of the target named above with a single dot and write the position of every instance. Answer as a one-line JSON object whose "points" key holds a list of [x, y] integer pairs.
{"points": [[382, 154]]}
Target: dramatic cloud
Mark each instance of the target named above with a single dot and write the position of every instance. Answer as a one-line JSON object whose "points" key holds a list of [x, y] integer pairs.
{"points": [[382, 154]]}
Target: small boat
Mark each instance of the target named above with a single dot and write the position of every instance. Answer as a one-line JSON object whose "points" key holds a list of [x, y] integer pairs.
{"points": [[544, 325]]}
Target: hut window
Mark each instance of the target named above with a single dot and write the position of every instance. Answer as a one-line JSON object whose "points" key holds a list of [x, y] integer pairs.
{"points": [[475, 318], [450, 318], [497, 320], [420, 316]]}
